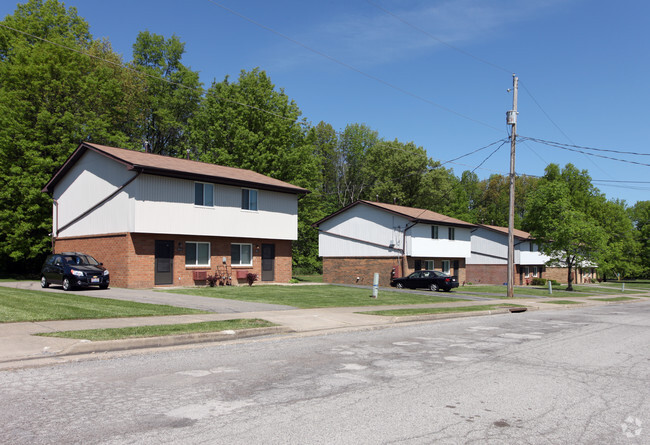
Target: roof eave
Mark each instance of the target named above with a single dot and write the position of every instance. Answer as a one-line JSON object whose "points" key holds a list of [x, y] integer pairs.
{"points": [[219, 180]]}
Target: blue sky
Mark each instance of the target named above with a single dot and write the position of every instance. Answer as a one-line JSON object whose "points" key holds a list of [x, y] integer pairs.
{"points": [[583, 67]]}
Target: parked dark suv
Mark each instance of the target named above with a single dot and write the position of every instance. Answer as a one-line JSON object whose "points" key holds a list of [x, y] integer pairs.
{"points": [[73, 269]]}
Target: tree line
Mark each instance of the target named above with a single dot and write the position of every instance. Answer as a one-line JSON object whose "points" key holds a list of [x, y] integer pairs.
{"points": [[60, 86]]}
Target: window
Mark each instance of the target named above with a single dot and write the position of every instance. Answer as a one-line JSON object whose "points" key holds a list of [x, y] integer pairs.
{"points": [[535, 271], [445, 266], [249, 199], [452, 233], [241, 254], [203, 194], [434, 232], [428, 265], [197, 254], [526, 272], [532, 249]]}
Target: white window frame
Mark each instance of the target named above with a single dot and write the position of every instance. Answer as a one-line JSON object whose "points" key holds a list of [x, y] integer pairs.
{"points": [[428, 263], [452, 233], [446, 266], [257, 195], [197, 264], [535, 271], [232, 263], [526, 272], [205, 185]]}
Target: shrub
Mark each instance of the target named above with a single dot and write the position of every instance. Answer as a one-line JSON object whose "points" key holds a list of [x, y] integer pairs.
{"points": [[212, 280], [251, 278], [538, 281]]}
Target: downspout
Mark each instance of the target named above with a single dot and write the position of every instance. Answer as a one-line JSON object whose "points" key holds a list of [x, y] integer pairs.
{"points": [[56, 222]]}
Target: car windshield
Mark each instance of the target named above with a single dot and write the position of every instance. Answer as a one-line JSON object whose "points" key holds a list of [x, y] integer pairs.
{"points": [[82, 260]]}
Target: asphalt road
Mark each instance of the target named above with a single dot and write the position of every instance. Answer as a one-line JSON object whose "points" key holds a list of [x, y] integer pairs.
{"points": [[577, 376]]}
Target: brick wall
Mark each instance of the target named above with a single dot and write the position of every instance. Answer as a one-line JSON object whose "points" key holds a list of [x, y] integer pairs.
{"points": [[130, 257], [487, 273], [107, 249], [346, 270], [498, 274]]}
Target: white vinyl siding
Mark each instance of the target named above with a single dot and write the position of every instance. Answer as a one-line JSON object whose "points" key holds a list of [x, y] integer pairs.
{"points": [[164, 205], [92, 179], [362, 231]]}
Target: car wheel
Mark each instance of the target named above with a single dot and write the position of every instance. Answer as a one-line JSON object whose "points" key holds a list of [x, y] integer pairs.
{"points": [[399, 285], [433, 287], [44, 283], [103, 286], [66, 284]]}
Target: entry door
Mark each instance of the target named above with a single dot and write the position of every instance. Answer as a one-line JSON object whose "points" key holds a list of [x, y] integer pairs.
{"points": [[268, 262], [164, 262]]}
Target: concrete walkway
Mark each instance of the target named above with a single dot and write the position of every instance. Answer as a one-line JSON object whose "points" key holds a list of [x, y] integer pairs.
{"points": [[19, 347]]}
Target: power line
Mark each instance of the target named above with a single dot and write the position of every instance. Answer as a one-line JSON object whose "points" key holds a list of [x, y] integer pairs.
{"points": [[545, 113], [569, 148], [350, 67], [543, 141], [490, 155], [451, 161]]}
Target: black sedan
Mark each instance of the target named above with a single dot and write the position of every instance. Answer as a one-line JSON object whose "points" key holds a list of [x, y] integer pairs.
{"points": [[73, 269], [430, 279]]}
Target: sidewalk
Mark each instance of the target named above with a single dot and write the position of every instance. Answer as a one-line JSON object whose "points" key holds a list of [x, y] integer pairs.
{"points": [[19, 347]]}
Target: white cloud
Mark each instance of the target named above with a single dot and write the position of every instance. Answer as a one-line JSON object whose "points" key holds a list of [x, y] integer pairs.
{"points": [[369, 36]]}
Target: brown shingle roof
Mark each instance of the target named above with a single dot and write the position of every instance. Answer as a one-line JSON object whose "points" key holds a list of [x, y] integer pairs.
{"points": [[518, 233], [412, 213], [175, 167]]}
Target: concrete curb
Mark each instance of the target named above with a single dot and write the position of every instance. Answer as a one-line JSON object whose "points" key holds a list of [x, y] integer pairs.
{"points": [[426, 317], [87, 347]]}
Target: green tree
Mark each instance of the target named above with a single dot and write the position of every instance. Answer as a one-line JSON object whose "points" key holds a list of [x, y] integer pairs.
{"points": [[640, 215], [559, 218], [52, 98], [352, 178], [249, 124], [173, 92], [621, 256], [394, 172]]}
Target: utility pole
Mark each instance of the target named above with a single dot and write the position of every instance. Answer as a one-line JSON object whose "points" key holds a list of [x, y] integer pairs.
{"points": [[511, 119]]}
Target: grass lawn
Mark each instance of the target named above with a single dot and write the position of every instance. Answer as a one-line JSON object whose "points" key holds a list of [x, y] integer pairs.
{"points": [[614, 299], [316, 278], [306, 297], [563, 302], [440, 310], [31, 305], [637, 284], [161, 330], [542, 291]]}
